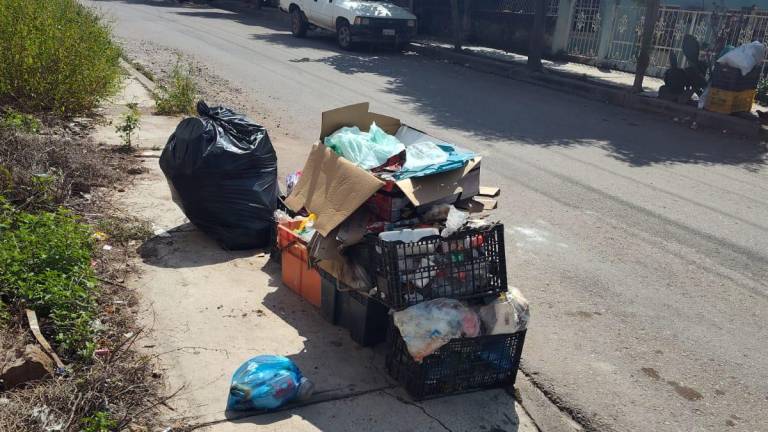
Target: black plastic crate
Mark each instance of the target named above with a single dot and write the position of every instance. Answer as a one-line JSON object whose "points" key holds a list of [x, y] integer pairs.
{"points": [[468, 264], [462, 365], [330, 298], [364, 317], [730, 78]]}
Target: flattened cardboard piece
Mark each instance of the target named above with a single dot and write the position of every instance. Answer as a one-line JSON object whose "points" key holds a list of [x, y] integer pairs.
{"points": [[471, 206], [356, 115], [489, 191], [342, 271], [432, 188], [353, 230], [488, 203], [332, 188], [324, 248]]}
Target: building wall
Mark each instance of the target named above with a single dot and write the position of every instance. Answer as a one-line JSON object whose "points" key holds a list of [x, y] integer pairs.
{"points": [[488, 26]]}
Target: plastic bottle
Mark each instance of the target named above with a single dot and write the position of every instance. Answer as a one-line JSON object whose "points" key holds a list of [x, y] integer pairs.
{"points": [[267, 382]]}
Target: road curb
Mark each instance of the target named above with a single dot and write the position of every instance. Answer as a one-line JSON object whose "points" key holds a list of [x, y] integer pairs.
{"points": [[600, 92], [544, 413], [141, 78]]}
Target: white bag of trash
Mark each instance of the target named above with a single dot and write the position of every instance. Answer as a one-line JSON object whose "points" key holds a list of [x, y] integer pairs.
{"points": [[745, 57], [508, 314], [428, 326]]}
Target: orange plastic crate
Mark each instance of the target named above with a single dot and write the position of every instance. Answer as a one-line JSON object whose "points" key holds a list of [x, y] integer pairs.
{"points": [[296, 273]]}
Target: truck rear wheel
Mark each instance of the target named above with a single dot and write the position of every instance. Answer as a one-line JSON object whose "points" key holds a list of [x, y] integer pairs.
{"points": [[298, 23]]}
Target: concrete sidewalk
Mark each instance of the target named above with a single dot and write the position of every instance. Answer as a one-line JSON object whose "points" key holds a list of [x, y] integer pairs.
{"points": [[209, 310], [616, 78]]}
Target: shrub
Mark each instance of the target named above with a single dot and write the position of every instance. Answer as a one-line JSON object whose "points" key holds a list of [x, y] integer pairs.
{"points": [[12, 119], [45, 264], [178, 97], [55, 55]]}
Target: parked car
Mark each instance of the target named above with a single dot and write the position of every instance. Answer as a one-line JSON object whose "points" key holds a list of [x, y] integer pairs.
{"points": [[352, 21]]}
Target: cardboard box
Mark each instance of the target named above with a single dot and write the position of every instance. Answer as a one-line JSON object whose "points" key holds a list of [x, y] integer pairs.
{"points": [[333, 188]]}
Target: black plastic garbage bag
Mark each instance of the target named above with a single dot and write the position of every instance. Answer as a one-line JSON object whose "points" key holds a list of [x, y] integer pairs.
{"points": [[222, 170]]}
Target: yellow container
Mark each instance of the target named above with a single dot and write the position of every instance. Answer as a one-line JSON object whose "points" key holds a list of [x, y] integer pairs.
{"points": [[728, 101]]}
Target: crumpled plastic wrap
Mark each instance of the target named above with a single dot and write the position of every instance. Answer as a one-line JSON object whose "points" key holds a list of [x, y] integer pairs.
{"points": [[427, 326], [508, 314], [367, 150]]}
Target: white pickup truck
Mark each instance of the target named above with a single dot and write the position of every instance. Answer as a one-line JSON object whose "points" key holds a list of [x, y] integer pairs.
{"points": [[352, 21]]}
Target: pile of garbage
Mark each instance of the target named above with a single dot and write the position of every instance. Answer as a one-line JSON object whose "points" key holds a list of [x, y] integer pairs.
{"points": [[385, 214], [386, 229]]}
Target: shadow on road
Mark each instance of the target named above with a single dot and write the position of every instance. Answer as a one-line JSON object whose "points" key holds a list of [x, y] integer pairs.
{"points": [[494, 110]]}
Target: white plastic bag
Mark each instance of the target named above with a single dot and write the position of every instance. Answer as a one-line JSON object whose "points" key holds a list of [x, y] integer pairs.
{"points": [[423, 154], [456, 219], [745, 57], [508, 314], [428, 326]]}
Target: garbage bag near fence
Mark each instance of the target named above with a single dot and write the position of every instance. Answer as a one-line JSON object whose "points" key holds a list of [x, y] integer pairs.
{"points": [[267, 382], [222, 170], [746, 57]]}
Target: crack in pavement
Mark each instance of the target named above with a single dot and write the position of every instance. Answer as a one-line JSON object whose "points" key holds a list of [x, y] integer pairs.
{"points": [[423, 410], [291, 407]]}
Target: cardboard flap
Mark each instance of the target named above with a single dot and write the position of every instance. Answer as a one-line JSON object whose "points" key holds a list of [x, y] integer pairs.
{"points": [[355, 115], [490, 191], [331, 187], [427, 189]]}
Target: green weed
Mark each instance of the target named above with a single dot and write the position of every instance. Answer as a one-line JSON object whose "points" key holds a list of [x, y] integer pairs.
{"points": [[98, 422], [12, 119], [55, 55], [45, 264], [131, 122], [180, 94]]}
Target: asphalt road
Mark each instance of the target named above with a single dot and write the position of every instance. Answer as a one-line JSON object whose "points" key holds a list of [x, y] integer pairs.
{"points": [[642, 245]]}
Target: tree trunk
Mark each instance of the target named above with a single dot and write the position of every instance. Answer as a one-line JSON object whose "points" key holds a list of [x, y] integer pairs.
{"points": [[456, 24], [467, 20], [536, 38], [644, 58]]}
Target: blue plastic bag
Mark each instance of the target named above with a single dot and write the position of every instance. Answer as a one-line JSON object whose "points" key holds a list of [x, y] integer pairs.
{"points": [[267, 382]]}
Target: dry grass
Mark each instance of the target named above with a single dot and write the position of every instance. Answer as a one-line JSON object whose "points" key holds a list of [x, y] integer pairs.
{"points": [[43, 172], [123, 385]]}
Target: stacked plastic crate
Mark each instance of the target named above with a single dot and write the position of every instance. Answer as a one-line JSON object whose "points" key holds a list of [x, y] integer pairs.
{"points": [[730, 91], [469, 265]]}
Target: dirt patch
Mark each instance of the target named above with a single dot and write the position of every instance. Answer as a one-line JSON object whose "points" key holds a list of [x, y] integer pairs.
{"points": [[160, 61]]}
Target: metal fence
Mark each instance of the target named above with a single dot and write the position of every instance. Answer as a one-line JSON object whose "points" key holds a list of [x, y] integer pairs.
{"points": [[584, 31], [713, 30]]}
